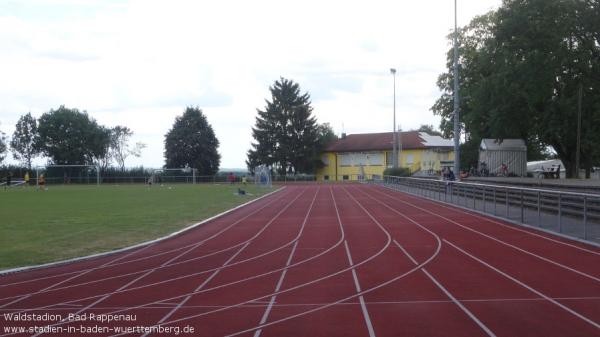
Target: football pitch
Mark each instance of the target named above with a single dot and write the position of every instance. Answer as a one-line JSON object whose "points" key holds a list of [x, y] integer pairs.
{"points": [[70, 221]]}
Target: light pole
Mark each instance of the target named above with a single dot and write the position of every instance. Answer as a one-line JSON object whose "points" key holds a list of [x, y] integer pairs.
{"points": [[395, 138], [456, 101]]}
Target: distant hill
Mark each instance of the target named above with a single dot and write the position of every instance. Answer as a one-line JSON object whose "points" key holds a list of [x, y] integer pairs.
{"points": [[236, 171]]}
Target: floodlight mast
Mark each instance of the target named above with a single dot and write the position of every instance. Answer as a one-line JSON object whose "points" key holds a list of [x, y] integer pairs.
{"points": [[456, 100], [395, 134]]}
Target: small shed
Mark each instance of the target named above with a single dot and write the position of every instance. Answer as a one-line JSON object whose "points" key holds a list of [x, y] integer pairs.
{"points": [[512, 152]]}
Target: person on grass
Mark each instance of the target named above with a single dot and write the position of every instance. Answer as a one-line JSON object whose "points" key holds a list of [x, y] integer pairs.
{"points": [[26, 179], [8, 180], [42, 182]]}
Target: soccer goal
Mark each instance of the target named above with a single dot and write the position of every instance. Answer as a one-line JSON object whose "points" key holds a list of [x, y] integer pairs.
{"points": [[174, 175], [68, 174], [262, 176]]}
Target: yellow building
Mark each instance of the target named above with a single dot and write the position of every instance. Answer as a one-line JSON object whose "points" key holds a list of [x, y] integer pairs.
{"points": [[366, 155]]}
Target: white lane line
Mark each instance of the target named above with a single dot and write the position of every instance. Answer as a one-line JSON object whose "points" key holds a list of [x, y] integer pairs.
{"points": [[499, 241], [213, 288], [120, 289], [150, 244], [361, 299], [160, 282], [562, 306], [65, 320], [302, 226], [499, 223], [475, 319], [450, 296], [143, 258], [261, 304], [389, 239], [84, 272], [208, 279], [277, 288]]}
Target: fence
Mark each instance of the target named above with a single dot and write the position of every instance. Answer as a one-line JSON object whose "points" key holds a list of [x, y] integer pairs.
{"points": [[576, 215]]}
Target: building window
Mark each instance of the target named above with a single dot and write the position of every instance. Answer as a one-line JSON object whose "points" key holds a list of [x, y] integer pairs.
{"points": [[326, 177], [345, 177]]}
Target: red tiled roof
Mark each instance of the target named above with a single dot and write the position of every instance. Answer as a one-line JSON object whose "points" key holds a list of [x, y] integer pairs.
{"points": [[376, 141]]}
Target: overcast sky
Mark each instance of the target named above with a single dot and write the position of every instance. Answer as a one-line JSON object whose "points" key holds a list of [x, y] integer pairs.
{"points": [[140, 63]]}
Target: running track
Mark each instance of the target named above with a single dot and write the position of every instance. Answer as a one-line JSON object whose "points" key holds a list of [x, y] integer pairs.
{"points": [[328, 260]]}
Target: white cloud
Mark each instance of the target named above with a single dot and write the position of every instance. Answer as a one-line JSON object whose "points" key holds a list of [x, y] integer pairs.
{"points": [[139, 63]]}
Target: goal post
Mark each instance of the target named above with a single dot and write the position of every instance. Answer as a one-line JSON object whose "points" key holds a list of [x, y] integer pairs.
{"points": [[262, 176], [67, 174], [174, 175]]}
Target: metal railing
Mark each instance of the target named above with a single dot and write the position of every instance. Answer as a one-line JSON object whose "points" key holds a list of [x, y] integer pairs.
{"points": [[572, 214]]}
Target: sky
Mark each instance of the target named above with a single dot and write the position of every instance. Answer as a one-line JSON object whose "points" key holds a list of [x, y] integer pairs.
{"points": [[140, 63]]}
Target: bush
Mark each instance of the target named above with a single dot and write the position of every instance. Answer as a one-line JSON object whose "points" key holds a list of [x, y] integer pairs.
{"points": [[397, 172]]}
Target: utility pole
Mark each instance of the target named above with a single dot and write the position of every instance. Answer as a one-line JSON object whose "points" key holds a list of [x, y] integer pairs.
{"points": [[395, 134], [456, 100], [578, 152]]}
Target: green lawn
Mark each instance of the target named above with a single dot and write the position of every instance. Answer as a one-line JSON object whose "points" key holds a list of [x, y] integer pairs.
{"points": [[70, 221]]}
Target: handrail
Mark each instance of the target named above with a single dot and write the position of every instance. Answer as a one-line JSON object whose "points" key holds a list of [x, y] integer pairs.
{"points": [[501, 186], [571, 214]]}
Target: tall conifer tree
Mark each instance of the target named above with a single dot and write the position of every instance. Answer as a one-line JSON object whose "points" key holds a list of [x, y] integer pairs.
{"points": [[285, 132]]}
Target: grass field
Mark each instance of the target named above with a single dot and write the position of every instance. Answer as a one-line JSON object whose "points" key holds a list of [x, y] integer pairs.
{"points": [[70, 221]]}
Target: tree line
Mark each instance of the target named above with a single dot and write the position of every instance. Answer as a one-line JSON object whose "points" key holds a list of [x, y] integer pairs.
{"points": [[530, 70], [286, 135], [67, 136]]}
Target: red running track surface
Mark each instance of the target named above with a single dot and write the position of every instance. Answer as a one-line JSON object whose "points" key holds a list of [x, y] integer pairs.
{"points": [[322, 260]]}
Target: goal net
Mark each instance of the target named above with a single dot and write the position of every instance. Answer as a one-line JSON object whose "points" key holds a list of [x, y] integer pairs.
{"points": [[186, 175], [68, 174], [262, 176]]}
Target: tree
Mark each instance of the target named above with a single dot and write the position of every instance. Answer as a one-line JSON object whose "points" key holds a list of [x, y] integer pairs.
{"points": [[285, 132], [119, 145], [521, 69], [2, 146], [70, 137], [192, 143], [23, 142], [429, 129], [325, 136]]}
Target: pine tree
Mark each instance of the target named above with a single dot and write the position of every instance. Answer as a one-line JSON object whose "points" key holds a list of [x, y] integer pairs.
{"points": [[285, 132], [192, 143]]}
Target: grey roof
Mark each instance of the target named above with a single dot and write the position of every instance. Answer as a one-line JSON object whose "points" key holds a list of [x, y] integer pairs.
{"points": [[504, 145]]}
